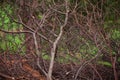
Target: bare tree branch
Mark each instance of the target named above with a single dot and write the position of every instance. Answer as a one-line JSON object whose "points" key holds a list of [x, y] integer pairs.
{"points": [[38, 54], [15, 32], [49, 77]]}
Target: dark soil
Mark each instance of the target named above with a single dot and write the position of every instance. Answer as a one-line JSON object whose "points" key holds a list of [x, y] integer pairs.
{"points": [[24, 67]]}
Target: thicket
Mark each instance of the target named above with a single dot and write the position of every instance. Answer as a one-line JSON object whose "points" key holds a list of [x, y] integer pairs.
{"points": [[60, 39]]}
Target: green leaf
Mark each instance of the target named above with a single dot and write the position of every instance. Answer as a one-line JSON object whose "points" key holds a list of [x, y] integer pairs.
{"points": [[40, 16], [105, 63], [46, 57], [17, 40], [6, 20]]}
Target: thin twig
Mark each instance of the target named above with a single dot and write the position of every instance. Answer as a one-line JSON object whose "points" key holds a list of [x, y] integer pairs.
{"points": [[95, 71], [7, 76], [15, 32], [26, 26], [85, 63]]}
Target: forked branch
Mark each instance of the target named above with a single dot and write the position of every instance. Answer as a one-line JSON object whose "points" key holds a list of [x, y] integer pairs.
{"points": [[53, 50]]}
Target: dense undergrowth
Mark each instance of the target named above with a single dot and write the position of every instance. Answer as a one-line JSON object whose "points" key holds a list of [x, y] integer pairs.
{"points": [[89, 48]]}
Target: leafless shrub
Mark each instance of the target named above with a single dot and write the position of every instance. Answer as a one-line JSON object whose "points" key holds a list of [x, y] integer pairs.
{"points": [[72, 31]]}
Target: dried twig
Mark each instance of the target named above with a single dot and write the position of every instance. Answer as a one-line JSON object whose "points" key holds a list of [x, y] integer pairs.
{"points": [[7, 76]]}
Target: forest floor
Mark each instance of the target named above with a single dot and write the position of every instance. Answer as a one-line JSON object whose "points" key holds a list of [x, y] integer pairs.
{"points": [[24, 67]]}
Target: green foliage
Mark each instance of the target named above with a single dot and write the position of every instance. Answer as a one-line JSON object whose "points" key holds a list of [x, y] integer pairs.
{"points": [[105, 63], [3, 45], [45, 56], [116, 34], [13, 42], [9, 41]]}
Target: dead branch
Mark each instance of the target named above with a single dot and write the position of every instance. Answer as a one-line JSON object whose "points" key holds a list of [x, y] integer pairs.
{"points": [[49, 77]]}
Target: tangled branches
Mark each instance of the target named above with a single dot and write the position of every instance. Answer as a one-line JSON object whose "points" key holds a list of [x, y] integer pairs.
{"points": [[63, 31]]}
